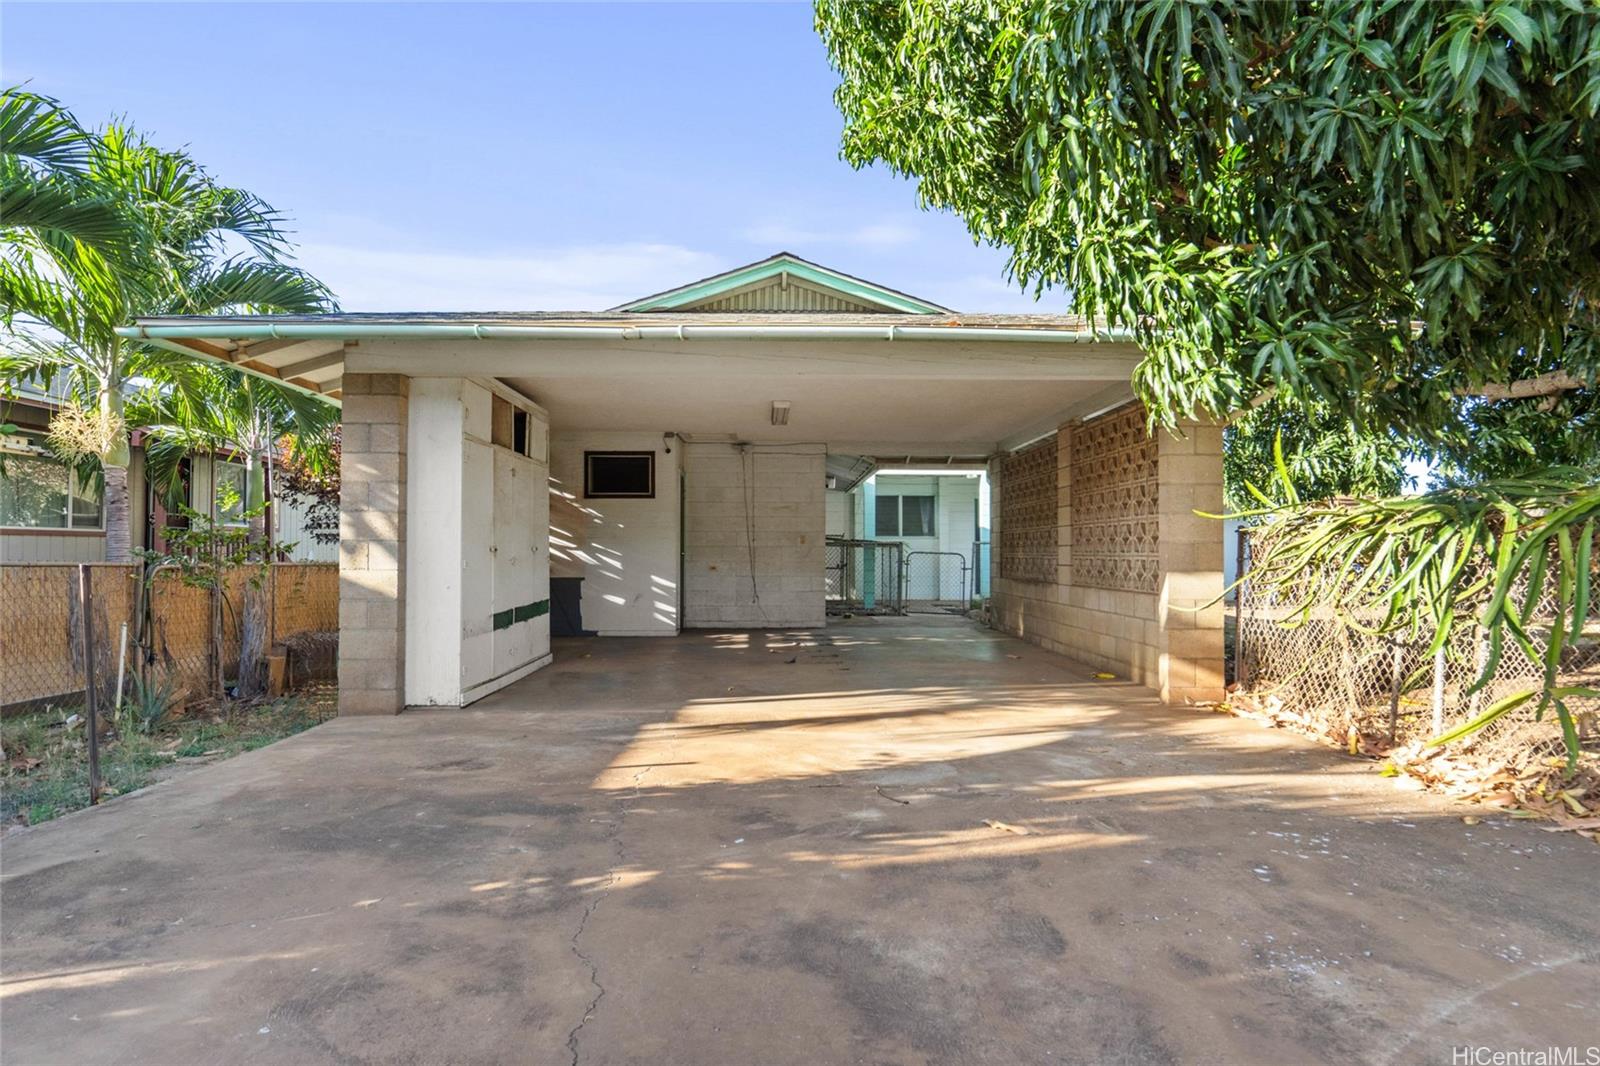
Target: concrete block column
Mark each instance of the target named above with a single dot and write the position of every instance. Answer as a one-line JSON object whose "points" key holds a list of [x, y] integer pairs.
{"points": [[1190, 552], [372, 537]]}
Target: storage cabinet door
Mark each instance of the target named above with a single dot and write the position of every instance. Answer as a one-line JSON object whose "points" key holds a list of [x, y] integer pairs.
{"points": [[516, 482]]}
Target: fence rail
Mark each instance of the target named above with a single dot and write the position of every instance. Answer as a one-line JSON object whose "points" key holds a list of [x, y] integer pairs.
{"points": [[172, 629], [1341, 677], [864, 577]]}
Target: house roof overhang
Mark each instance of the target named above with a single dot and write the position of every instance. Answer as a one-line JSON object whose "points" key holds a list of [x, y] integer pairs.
{"points": [[308, 352]]}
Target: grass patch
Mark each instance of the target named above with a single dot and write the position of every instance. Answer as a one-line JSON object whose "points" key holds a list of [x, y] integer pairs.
{"points": [[45, 773]]}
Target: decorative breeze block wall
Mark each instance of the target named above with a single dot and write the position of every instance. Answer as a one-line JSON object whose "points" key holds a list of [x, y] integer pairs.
{"points": [[1028, 513], [1115, 515]]}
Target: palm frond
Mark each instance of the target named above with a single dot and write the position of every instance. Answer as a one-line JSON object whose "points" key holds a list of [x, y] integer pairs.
{"points": [[252, 286], [37, 128], [53, 205]]}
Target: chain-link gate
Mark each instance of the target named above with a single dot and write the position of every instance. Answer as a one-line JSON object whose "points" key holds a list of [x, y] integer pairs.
{"points": [[937, 581], [864, 576]]}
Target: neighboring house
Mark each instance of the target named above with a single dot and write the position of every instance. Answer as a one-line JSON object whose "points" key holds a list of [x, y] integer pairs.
{"points": [[48, 516], [940, 516], [665, 465]]}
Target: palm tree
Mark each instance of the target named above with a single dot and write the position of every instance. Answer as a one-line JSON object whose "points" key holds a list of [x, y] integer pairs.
{"points": [[112, 228], [219, 410]]}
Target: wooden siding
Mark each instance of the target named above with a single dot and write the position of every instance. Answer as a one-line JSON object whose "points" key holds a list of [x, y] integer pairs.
{"points": [[51, 546], [782, 294]]}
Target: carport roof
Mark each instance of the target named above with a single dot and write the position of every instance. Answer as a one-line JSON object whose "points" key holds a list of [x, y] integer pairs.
{"points": [[307, 351]]}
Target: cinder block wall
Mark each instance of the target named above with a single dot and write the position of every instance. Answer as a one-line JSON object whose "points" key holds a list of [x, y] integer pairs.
{"points": [[372, 536], [753, 535], [1129, 552]]}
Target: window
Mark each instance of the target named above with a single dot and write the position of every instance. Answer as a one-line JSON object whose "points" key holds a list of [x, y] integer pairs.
{"points": [[904, 516], [233, 486], [38, 491], [519, 432], [619, 475]]}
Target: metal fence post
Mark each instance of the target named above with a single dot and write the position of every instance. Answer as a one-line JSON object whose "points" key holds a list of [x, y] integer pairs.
{"points": [[86, 612], [1438, 692], [1241, 672]]}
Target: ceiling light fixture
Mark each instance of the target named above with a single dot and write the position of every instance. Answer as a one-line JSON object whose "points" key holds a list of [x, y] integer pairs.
{"points": [[780, 412]]}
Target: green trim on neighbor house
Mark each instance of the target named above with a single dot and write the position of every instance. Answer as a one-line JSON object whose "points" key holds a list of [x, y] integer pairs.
{"points": [[512, 615], [783, 263]]}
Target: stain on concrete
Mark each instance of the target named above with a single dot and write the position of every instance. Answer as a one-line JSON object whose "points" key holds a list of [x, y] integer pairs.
{"points": [[1033, 934]]}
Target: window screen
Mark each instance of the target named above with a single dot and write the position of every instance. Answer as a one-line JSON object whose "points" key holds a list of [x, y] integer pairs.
{"points": [[888, 520], [232, 491], [33, 492], [916, 516], [619, 474], [904, 516]]}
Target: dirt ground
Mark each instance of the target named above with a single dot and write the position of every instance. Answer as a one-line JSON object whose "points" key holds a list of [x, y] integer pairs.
{"points": [[896, 842]]}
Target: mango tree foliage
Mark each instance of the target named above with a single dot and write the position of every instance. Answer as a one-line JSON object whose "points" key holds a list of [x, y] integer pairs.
{"points": [[1383, 207], [1324, 456], [1376, 215]]}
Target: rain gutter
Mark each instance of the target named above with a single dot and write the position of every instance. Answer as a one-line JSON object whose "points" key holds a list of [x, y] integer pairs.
{"points": [[484, 332]]}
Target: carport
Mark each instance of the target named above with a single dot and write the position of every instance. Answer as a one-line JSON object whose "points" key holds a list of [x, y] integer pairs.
{"points": [[663, 466]]}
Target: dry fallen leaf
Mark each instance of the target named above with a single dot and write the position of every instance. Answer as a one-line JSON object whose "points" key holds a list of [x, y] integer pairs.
{"points": [[1006, 827]]}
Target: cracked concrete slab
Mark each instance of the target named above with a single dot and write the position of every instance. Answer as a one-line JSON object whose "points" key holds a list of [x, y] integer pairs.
{"points": [[694, 850]]}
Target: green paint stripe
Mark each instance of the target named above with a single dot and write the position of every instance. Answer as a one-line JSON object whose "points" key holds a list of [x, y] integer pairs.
{"points": [[512, 615], [532, 610]]}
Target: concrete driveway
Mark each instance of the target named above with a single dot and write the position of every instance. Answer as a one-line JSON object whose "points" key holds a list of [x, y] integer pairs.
{"points": [[741, 848]]}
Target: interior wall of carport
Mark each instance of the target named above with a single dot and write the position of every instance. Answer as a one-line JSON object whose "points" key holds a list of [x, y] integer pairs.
{"points": [[754, 520], [624, 552], [1130, 565]]}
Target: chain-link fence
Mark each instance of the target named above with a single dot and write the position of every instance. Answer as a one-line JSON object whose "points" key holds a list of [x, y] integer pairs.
{"points": [[154, 625], [1339, 677], [864, 576], [937, 581]]}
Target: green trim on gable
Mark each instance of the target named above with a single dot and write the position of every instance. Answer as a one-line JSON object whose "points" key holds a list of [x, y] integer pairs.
{"points": [[713, 287], [512, 615]]}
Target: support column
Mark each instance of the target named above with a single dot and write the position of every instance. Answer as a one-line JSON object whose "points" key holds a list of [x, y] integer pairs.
{"points": [[372, 536], [1190, 553], [869, 531]]}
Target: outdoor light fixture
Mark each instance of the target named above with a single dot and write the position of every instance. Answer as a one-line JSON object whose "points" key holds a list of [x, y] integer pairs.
{"points": [[780, 412]]}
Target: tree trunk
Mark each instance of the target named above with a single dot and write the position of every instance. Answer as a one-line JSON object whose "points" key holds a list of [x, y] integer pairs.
{"points": [[253, 637], [253, 628], [119, 540]]}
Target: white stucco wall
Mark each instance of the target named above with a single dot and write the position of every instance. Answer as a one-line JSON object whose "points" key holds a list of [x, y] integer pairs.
{"points": [[626, 551], [754, 519], [840, 508], [477, 548]]}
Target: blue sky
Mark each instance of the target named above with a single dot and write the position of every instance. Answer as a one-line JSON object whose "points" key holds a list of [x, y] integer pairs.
{"points": [[511, 157]]}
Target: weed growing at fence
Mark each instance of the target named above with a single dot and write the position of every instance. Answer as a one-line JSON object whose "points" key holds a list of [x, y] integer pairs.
{"points": [[46, 769]]}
